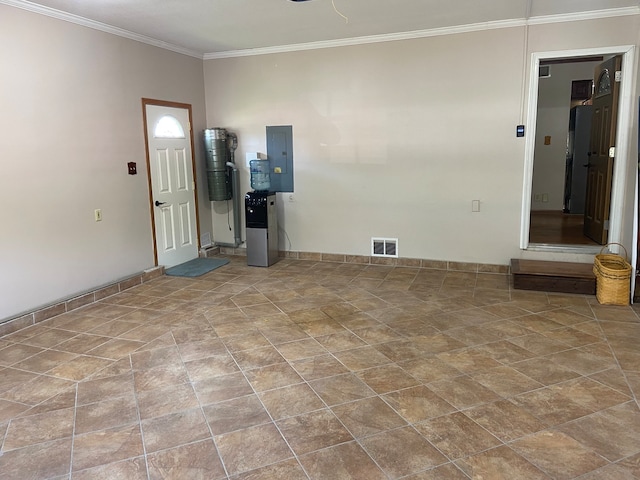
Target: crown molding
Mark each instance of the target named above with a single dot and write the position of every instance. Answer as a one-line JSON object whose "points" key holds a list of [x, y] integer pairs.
{"points": [[434, 32], [592, 15], [387, 37], [103, 27]]}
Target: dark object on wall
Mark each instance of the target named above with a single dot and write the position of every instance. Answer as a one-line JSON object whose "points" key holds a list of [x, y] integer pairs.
{"points": [[577, 162], [131, 166], [280, 155], [581, 89]]}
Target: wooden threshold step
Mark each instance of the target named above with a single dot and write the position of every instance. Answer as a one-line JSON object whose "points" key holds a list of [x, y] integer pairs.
{"points": [[544, 276]]}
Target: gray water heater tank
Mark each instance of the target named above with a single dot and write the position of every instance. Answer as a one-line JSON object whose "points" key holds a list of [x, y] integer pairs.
{"points": [[217, 153]]}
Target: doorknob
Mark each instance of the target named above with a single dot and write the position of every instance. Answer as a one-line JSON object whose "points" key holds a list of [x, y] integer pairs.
{"points": [[159, 203]]}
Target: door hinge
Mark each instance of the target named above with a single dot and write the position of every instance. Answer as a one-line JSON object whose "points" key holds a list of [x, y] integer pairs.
{"points": [[193, 185], [612, 152], [618, 76], [606, 225]]}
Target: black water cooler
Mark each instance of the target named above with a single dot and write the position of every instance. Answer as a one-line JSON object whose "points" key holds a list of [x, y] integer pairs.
{"points": [[262, 228]]}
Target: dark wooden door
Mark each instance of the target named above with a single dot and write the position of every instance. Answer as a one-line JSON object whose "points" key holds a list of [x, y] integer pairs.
{"points": [[602, 149]]}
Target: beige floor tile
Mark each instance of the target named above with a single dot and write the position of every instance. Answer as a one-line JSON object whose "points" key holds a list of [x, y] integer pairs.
{"points": [[106, 414], [368, 417], [320, 366], [197, 460], [103, 388], [341, 389], [209, 367], [342, 462], [162, 401], [236, 414], [37, 461], [417, 404], [239, 453], [299, 349], [387, 378], [174, 430], [402, 452], [463, 392], [612, 433], [362, 358], [500, 463], [272, 376], [41, 428], [456, 435], [506, 381], [290, 401], [160, 377], [79, 367], [38, 389], [558, 455], [551, 406], [106, 446], [313, 431], [421, 365], [17, 352], [201, 349], [258, 357], [289, 469], [131, 469], [505, 420], [219, 389]]}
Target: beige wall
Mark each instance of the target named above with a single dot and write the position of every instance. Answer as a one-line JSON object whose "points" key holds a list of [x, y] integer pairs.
{"points": [[71, 119], [396, 139], [390, 140]]}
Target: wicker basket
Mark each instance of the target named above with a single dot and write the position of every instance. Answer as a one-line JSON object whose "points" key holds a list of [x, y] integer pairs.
{"points": [[613, 277]]}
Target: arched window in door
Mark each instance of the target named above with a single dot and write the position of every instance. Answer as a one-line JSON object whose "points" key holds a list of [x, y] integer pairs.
{"points": [[168, 127]]}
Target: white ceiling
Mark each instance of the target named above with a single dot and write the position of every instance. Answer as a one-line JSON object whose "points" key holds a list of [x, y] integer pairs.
{"points": [[212, 27]]}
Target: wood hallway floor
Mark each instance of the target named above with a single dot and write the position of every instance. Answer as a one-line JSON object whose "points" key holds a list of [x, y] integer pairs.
{"points": [[555, 227]]}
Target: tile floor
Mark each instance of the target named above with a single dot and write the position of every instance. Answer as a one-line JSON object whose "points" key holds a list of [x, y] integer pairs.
{"points": [[325, 371]]}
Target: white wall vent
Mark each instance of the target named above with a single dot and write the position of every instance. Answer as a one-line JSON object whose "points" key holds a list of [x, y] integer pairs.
{"points": [[384, 247], [205, 240], [544, 71]]}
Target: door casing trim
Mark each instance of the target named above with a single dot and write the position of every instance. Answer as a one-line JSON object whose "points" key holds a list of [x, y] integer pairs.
{"points": [[623, 138], [186, 106]]}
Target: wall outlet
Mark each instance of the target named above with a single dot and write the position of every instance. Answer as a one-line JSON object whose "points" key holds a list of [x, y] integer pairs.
{"points": [[475, 205], [97, 214]]}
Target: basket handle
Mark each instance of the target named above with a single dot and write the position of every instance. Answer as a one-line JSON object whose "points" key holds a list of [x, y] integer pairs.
{"points": [[626, 254]]}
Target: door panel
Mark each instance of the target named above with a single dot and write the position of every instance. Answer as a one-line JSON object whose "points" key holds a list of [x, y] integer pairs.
{"points": [[603, 138], [172, 184]]}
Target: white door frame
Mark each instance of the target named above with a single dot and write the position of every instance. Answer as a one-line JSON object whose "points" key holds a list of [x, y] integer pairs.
{"points": [[152, 207], [623, 139]]}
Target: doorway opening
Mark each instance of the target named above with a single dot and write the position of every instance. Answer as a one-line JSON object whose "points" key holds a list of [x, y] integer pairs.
{"points": [[548, 222]]}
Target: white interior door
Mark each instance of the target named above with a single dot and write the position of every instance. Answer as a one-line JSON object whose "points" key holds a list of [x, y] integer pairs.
{"points": [[172, 184]]}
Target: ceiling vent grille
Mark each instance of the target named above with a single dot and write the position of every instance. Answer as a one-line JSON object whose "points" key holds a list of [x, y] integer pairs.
{"points": [[384, 247], [544, 71]]}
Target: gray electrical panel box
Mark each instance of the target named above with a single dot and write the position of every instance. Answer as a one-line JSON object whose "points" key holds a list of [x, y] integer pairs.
{"points": [[280, 154]]}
